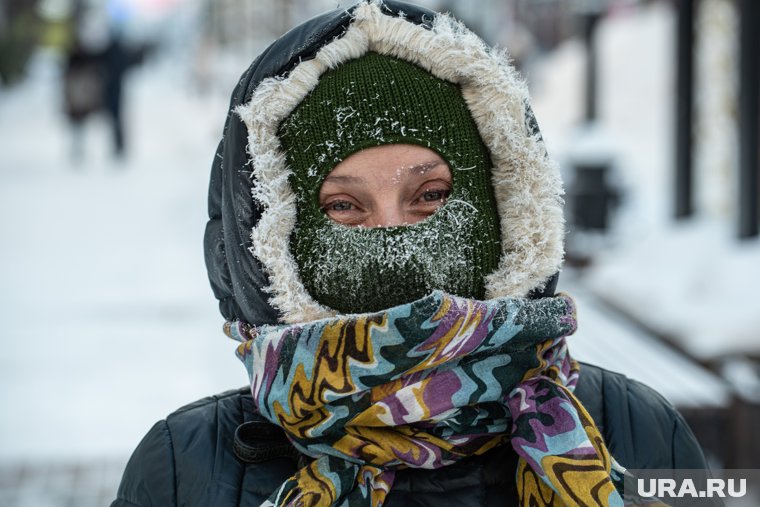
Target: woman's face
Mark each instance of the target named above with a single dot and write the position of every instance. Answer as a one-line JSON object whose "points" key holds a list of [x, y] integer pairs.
{"points": [[386, 186]]}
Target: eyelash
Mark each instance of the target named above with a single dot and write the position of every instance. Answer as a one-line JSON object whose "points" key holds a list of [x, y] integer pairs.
{"points": [[444, 194], [330, 206]]}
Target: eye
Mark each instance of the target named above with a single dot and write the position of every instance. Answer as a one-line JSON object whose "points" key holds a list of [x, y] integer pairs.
{"points": [[344, 211], [435, 195], [339, 206]]}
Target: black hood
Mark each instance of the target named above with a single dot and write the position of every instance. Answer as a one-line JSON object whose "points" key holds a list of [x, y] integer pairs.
{"points": [[237, 277]]}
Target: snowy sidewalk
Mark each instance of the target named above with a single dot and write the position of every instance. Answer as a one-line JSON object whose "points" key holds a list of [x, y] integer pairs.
{"points": [[108, 320], [695, 284], [607, 339]]}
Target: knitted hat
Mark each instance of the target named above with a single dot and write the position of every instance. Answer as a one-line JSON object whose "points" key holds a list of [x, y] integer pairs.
{"points": [[370, 101]]}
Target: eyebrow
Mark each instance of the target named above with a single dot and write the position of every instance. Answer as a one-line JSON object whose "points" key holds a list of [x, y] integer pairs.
{"points": [[423, 167], [419, 169]]}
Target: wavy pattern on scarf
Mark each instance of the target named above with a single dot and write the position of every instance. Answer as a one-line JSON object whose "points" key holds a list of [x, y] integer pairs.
{"points": [[424, 385]]}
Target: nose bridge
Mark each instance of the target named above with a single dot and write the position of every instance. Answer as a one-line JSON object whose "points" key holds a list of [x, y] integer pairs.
{"points": [[388, 213]]}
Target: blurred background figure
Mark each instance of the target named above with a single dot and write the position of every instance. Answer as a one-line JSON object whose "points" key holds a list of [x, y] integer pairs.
{"points": [[650, 106], [95, 73], [83, 80], [19, 27]]}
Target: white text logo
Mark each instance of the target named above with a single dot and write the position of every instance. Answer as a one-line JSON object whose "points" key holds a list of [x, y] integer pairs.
{"points": [[687, 489]]}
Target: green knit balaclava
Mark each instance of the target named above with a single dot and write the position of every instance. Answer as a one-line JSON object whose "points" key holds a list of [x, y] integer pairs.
{"points": [[370, 101]]}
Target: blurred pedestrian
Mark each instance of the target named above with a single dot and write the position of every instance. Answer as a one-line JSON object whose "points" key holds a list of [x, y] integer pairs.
{"points": [[82, 89], [385, 237], [94, 79], [118, 58]]}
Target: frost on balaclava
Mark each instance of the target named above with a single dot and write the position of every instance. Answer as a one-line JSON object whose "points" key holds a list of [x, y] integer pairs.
{"points": [[370, 101]]}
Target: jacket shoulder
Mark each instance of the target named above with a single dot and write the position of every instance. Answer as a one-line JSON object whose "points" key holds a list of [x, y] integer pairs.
{"points": [[178, 456], [149, 476], [205, 411], [641, 428]]}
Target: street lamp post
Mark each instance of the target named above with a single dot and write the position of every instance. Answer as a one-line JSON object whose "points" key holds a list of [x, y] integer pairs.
{"points": [[684, 206], [591, 11], [749, 117]]}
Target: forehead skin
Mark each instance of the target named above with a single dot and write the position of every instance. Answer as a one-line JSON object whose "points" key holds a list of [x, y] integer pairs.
{"points": [[392, 162]]}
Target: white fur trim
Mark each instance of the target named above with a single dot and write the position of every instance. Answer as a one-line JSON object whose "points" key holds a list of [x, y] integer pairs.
{"points": [[527, 184]]}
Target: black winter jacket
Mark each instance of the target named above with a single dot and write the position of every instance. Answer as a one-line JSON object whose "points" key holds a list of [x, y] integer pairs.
{"points": [[212, 452], [191, 458]]}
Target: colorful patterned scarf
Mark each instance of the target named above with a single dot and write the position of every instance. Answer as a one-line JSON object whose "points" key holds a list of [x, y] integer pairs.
{"points": [[425, 385]]}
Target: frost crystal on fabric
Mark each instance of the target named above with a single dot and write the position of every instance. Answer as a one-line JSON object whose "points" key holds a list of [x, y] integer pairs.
{"points": [[357, 269]]}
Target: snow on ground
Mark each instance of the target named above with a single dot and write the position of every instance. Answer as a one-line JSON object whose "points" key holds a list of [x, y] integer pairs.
{"points": [[693, 283], [108, 319], [606, 340]]}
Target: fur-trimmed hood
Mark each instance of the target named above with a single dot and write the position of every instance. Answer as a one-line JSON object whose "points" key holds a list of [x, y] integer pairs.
{"points": [[252, 208]]}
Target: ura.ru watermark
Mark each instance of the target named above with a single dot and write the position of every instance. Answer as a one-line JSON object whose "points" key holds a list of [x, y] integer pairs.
{"points": [[694, 488], [670, 488]]}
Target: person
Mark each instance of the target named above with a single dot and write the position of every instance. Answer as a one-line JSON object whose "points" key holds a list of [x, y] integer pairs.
{"points": [[93, 81], [384, 240], [82, 89], [117, 60]]}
